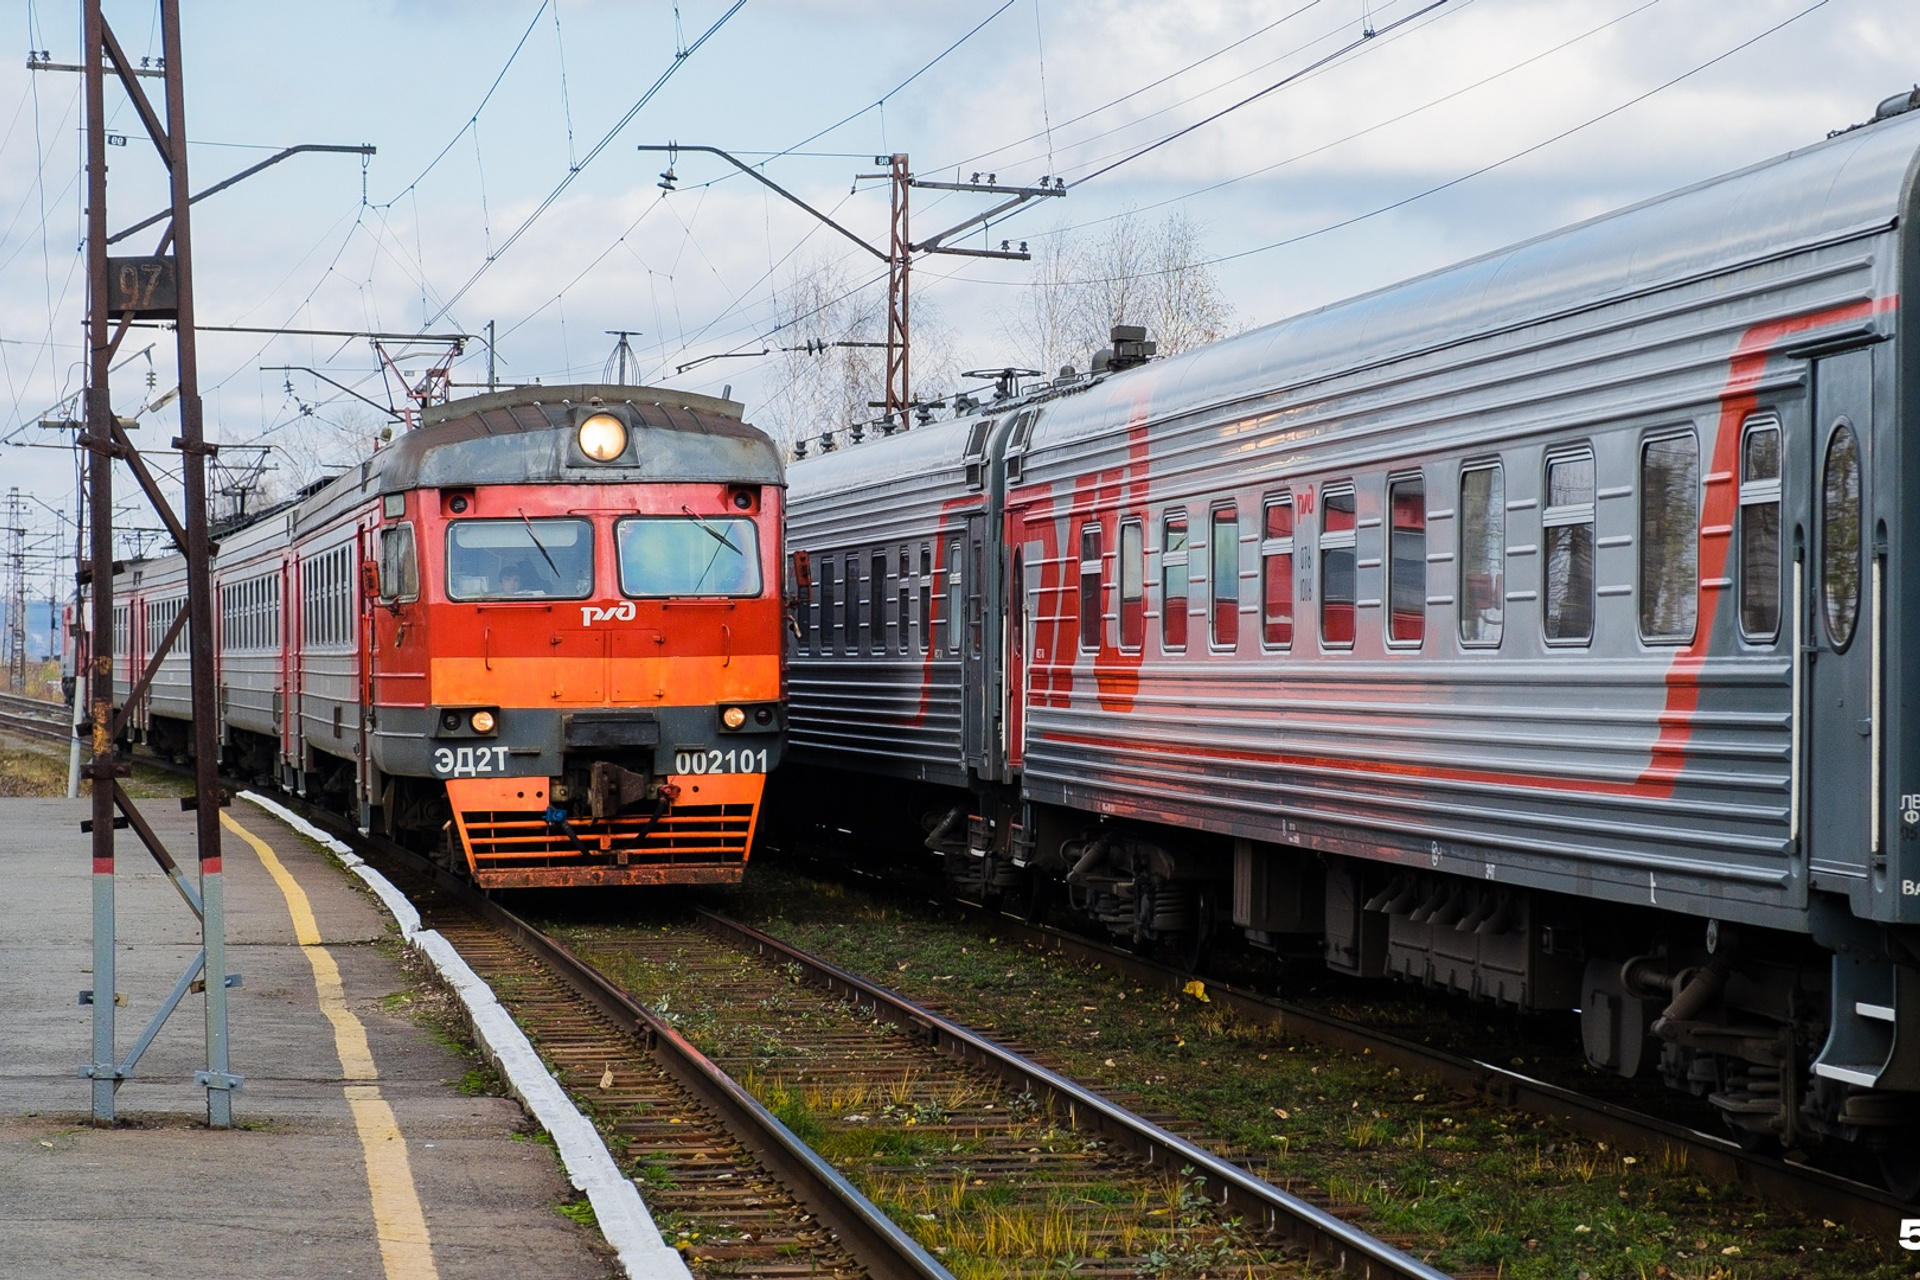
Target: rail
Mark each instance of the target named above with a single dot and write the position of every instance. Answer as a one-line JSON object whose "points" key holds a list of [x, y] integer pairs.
{"points": [[884, 1249], [34, 718], [1325, 1236], [1814, 1192]]}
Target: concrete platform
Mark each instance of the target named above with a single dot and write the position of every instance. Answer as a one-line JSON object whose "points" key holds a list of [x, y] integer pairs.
{"points": [[287, 1192]]}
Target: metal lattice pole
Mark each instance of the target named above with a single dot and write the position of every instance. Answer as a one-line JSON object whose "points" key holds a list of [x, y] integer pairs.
{"points": [[120, 291], [16, 649]]}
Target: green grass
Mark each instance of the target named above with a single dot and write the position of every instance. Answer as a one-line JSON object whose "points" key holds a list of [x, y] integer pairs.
{"points": [[1479, 1186]]}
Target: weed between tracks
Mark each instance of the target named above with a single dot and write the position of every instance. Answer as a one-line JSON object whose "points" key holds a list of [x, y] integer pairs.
{"points": [[1477, 1187], [989, 1182]]}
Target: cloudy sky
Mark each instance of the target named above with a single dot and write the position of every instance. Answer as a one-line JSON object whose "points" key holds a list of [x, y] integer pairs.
{"points": [[507, 188]]}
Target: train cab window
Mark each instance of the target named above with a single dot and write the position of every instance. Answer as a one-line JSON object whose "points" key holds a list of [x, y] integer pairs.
{"points": [[1566, 604], [1224, 545], [1276, 572], [688, 555], [926, 597], [1406, 561], [1840, 535], [955, 597], [1760, 529], [1173, 582], [1669, 538], [827, 615], [1133, 585], [1337, 585], [399, 567], [520, 559], [1483, 555], [1091, 618]]}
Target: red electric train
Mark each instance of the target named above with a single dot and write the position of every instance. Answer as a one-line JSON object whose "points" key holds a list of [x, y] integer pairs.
{"points": [[541, 634]]}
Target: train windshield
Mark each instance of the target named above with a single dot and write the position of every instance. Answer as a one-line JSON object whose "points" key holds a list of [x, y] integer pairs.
{"points": [[689, 555], [519, 559]]}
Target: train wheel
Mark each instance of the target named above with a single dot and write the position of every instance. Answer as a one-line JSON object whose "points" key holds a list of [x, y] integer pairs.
{"points": [[1042, 892], [1196, 944]]}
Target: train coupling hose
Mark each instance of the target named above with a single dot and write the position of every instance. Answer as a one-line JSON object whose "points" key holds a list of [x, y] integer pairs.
{"points": [[557, 819]]}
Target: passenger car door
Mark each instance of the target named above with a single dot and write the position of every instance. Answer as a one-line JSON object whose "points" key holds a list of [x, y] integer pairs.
{"points": [[1841, 593]]}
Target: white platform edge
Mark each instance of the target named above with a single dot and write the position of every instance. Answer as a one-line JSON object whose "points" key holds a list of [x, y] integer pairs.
{"points": [[622, 1215]]}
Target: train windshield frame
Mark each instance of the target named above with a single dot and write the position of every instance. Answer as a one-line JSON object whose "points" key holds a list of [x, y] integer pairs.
{"points": [[520, 558], [688, 555]]}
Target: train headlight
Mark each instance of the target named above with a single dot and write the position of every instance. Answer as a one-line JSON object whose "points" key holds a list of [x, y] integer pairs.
{"points": [[733, 717], [603, 437], [482, 722]]}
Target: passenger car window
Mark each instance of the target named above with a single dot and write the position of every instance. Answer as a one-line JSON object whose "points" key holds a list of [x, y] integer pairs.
{"points": [[905, 588], [1276, 573], [688, 556], [547, 559], [955, 598], [1173, 582], [1090, 616], [1840, 535], [850, 606], [1225, 578], [1336, 565], [1760, 529], [1133, 585], [877, 602], [1567, 524], [827, 615], [926, 596], [1483, 554], [1407, 560], [1669, 538]]}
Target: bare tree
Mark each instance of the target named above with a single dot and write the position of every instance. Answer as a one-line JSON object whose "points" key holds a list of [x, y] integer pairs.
{"points": [[1131, 272], [821, 386]]}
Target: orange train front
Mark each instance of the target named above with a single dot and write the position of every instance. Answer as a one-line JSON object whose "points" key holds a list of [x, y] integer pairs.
{"points": [[541, 633]]}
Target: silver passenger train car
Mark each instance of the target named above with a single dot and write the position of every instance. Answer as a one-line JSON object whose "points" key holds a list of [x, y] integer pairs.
{"points": [[1534, 628]]}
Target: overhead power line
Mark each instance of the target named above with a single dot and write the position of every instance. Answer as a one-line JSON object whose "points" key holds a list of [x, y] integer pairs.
{"points": [[882, 99], [1483, 169], [1134, 93], [1375, 127], [475, 117], [679, 60], [1367, 34]]}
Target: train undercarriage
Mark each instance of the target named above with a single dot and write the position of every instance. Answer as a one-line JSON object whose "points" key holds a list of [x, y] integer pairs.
{"points": [[1735, 1017]]}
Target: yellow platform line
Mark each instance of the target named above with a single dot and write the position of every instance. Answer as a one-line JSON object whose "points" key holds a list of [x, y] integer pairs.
{"points": [[406, 1250]]}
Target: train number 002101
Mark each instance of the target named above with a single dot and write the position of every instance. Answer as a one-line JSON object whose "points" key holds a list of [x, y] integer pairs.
{"points": [[714, 760]]}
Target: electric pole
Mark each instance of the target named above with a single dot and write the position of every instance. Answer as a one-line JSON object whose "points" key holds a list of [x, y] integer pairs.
{"points": [[120, 291], [16, 645], [901, 247]]}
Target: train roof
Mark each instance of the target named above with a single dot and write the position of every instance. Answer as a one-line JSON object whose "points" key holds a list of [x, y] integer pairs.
{"points": [[1854, 184], [525, 436]]}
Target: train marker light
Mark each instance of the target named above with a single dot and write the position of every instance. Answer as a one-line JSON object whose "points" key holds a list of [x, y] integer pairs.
{"points": [[603, 437], [733, 717], [482, 722]]}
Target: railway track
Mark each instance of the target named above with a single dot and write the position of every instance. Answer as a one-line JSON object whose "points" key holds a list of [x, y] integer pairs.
{"points": [[995, 1132], [32, 718], [1811, 1191]]}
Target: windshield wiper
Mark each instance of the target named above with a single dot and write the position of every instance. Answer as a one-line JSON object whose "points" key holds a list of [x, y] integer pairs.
{"points": [[718, 535], [542, 548]]}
